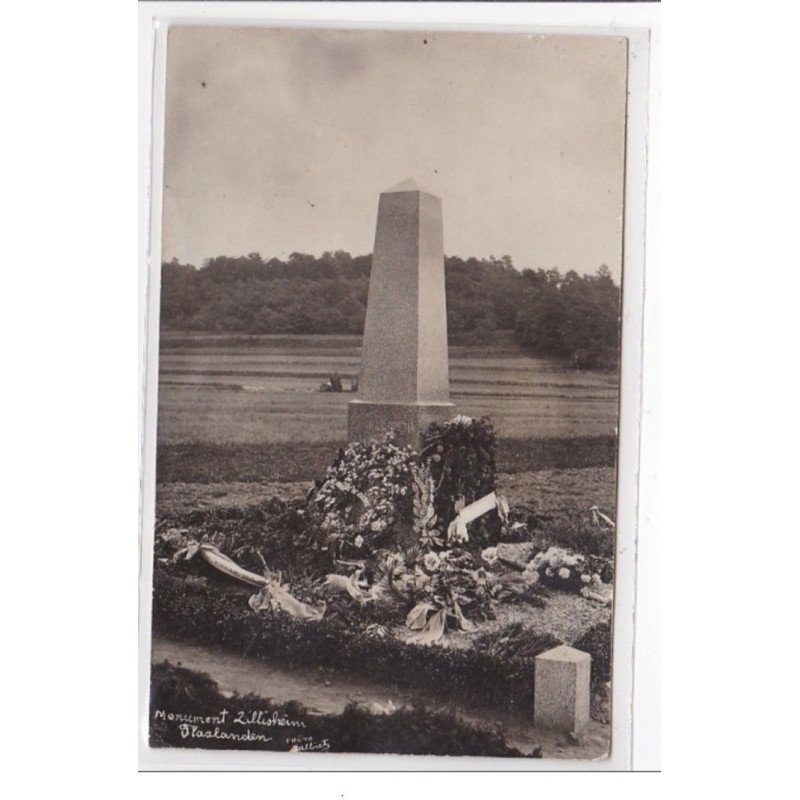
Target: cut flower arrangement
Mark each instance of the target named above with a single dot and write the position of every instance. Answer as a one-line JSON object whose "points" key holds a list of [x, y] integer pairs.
{"points": [[397, 537], [364, 494]]}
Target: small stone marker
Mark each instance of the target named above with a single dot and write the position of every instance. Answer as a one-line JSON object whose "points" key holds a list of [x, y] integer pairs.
{"points": [[561, 689], [404, 381], [517, 553]]}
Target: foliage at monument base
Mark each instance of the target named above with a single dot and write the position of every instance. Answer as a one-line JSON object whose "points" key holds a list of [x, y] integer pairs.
{"points": [[460, 454], [188, 710], [389, 535]]}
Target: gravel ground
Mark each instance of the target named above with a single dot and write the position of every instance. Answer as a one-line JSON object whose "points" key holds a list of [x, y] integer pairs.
{"points": [[566, 616]]}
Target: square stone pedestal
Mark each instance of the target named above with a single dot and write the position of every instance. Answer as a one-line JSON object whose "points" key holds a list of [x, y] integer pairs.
{"points": [[561, 689], [367, 420]]}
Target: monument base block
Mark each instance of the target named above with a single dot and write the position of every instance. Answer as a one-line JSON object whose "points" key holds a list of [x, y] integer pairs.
{"points": [[366, 420]]}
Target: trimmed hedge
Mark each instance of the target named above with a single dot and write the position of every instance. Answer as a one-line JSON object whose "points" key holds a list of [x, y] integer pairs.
{"points": [[192, 696], [597, 642], [191, 609]]}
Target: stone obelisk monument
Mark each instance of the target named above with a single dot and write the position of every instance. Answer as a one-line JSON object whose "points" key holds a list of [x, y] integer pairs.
{"points": [[404, 382]]}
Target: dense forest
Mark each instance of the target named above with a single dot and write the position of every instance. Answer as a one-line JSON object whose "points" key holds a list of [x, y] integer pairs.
{"points": [[562, 315]]}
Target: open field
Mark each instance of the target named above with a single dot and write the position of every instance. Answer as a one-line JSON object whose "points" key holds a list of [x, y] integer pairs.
{"points": [[233, 389]]}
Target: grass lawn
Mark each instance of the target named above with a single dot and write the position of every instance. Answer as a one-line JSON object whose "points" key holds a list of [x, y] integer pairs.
{"points": [[304, 461]]}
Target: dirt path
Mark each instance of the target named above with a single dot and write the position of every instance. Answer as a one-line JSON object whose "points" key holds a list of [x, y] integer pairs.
{"points": [[329, 693]]}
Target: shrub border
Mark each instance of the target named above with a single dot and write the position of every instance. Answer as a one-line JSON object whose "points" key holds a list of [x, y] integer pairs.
{"points": [[192, 610]]}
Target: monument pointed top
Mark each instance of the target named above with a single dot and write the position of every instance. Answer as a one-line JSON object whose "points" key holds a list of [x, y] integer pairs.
{"points": [[408, 185]]}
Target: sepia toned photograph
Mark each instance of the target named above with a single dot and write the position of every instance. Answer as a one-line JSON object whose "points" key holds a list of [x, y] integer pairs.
{"points": [[389, 337]]}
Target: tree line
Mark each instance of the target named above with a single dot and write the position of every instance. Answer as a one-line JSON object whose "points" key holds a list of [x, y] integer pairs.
{"points": [[565, 315]]}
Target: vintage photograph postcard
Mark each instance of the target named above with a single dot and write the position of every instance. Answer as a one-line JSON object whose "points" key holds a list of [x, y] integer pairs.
{"points": [[389, 332]]}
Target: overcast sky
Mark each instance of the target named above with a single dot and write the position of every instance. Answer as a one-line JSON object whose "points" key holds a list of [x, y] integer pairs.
{"points": [[282, 140]]}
